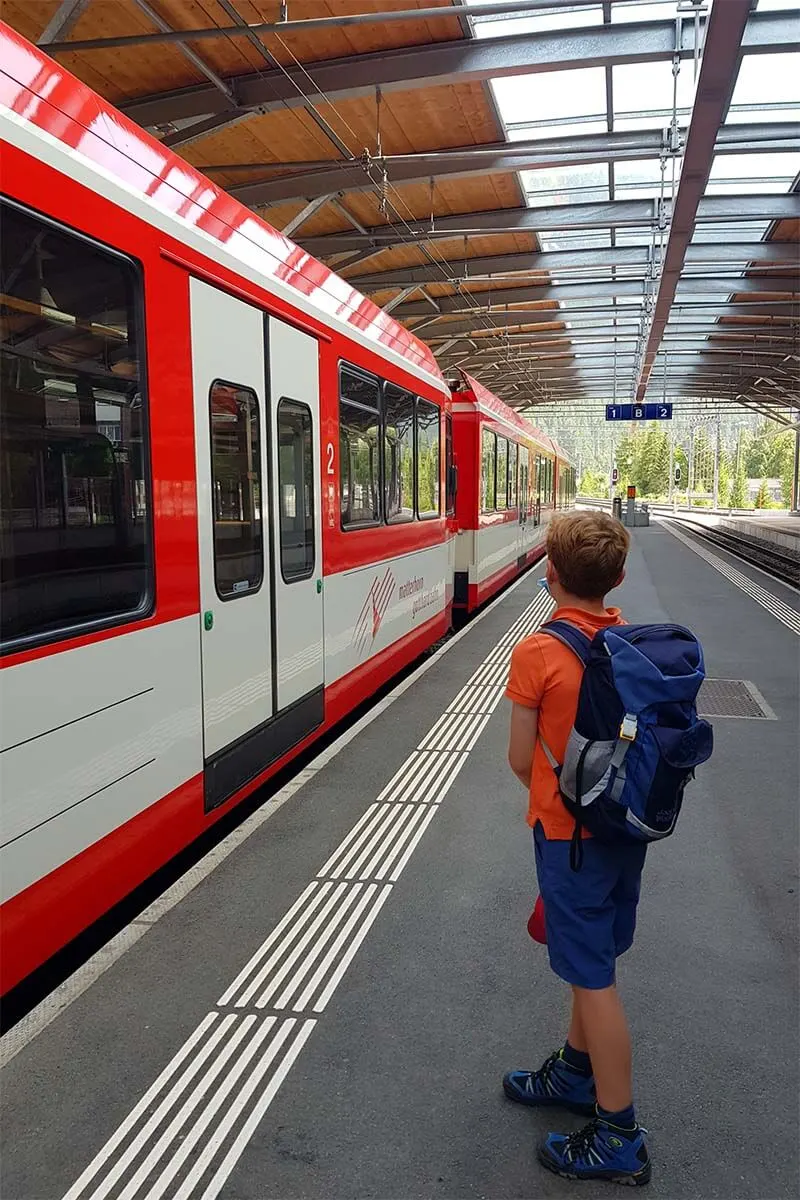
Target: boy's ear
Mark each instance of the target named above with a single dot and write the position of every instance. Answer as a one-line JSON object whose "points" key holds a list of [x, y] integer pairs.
{"points": [[551, 575], [621, 577]]}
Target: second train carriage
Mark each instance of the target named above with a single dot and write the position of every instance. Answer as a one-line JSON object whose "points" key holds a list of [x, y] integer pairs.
{"points": [[512, 478]]}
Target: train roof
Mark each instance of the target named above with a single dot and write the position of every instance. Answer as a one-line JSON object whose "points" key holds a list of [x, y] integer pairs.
{"points": [[39, 95], [494, 405]]}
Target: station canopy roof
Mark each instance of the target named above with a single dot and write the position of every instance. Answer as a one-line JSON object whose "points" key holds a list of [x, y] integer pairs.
{"points": [[574, 201]]}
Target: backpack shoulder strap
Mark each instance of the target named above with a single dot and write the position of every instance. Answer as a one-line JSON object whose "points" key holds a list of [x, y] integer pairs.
{"points": [[571, 637], [579, 644]]}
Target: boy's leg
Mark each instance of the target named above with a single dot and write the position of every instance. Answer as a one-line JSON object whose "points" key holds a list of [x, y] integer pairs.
{"points": [[577, 1036], [601, 1020], [582, 915]]}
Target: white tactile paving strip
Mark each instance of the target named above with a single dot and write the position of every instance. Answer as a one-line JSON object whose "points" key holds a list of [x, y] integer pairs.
{"points": [[186, 1134]]}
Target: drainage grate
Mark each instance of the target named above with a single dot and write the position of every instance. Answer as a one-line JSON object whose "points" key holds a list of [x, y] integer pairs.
{"points": [[733, 698]]}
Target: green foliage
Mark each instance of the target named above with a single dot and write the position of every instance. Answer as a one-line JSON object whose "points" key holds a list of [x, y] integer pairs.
{"points": [[738, 494], [725, 478], [594, 483], [770, 455], [763, 497]]}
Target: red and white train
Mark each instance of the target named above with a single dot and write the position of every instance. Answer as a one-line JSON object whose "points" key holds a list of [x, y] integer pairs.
{"points": [[229, 503]]}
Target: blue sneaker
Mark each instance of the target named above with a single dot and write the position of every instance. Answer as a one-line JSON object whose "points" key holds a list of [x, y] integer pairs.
{"points": [[598, 1151], [555, 1085]]}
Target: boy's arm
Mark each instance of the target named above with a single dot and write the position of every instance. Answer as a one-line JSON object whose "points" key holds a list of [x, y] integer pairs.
{"points": [[525, 690], [522, 742]]}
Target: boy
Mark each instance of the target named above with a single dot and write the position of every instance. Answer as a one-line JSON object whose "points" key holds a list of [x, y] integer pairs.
{"points": [[590, 914]]}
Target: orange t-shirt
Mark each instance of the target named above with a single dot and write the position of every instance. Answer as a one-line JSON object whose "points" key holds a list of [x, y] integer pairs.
{"points": [[546, 675]]}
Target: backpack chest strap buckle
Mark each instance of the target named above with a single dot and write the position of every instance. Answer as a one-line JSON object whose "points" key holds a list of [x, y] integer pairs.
{"points": [[627, 730]]}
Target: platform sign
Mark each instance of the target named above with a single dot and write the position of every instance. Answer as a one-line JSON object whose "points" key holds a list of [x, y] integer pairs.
{"points": [[638, 412]]}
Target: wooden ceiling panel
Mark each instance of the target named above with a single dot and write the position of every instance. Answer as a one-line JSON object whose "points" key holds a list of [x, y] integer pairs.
{"points": [[317, 44], [124, 73], [787, 231], [410, 123]]}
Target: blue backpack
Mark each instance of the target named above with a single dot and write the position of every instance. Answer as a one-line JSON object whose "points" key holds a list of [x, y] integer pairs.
{"points": [[637, 737]]}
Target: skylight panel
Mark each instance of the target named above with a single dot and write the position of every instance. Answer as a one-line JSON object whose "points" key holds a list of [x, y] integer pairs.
{"points": [[500, 26], [551, 94], [766, 79], [643, 89], [654, 10], [639, 235], [579, 240], [566, 185], [730, 231], [553, 130], [751, 174]]}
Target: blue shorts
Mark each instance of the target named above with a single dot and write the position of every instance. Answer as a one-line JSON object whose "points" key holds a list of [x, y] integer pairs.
{"points": [[590, 914]]}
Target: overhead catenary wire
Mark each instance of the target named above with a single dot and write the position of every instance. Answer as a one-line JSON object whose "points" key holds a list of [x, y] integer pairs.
{"points": [[383, 187]]}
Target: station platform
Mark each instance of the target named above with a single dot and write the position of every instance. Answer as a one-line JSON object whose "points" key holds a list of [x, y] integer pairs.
{"points": [[330, 1010], [781, 531]]}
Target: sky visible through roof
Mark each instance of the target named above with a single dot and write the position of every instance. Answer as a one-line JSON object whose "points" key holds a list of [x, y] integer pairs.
{"points": [[560, 104]]}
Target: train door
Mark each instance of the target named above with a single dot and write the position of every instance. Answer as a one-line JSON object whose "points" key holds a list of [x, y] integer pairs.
{"points": [[260, 693], [231, 450], [537, 490], [523, 501], [297, 551]]}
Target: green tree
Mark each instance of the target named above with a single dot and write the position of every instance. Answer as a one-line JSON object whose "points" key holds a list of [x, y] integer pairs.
{"points": [[594, 483], [780, 462], [725, 478], [763, 497], [758, 453], [703, 461]]}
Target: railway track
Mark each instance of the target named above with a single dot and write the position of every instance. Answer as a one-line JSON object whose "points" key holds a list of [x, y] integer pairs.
{"points": [[782, 565]]}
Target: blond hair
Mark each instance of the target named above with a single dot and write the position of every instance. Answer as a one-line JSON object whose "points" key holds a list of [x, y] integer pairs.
{"points": [[588, 551]]}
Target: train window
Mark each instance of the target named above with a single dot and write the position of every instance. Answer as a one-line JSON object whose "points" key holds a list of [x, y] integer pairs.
{"points": [[359, 429], [488, 453], [296, 490], [428, 459], [523, 480], [512, 474], [451, 482], [75, 538], [398, 453], [502, 473], [236, 490]]}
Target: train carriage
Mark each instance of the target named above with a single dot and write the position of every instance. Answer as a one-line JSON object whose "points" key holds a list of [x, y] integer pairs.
{"points": [[223, 503], [512, 478], [228, 504]]}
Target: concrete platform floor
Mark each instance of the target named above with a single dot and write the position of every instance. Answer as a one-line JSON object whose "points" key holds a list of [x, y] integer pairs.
{"points": [[386, 1083]]}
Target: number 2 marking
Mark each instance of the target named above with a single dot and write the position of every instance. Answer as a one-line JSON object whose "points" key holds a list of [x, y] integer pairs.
{"points": [[329, 451], [663, 413]]}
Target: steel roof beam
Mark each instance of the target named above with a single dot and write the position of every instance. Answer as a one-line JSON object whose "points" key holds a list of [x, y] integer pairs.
{"points": [[701, 351], [66, 15], [552, 261], [461, 61], [601, 328], [601, 332], [724, 34], [504, 156], [782, 313], [311, 24], [692, 286], [614, 214]]}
